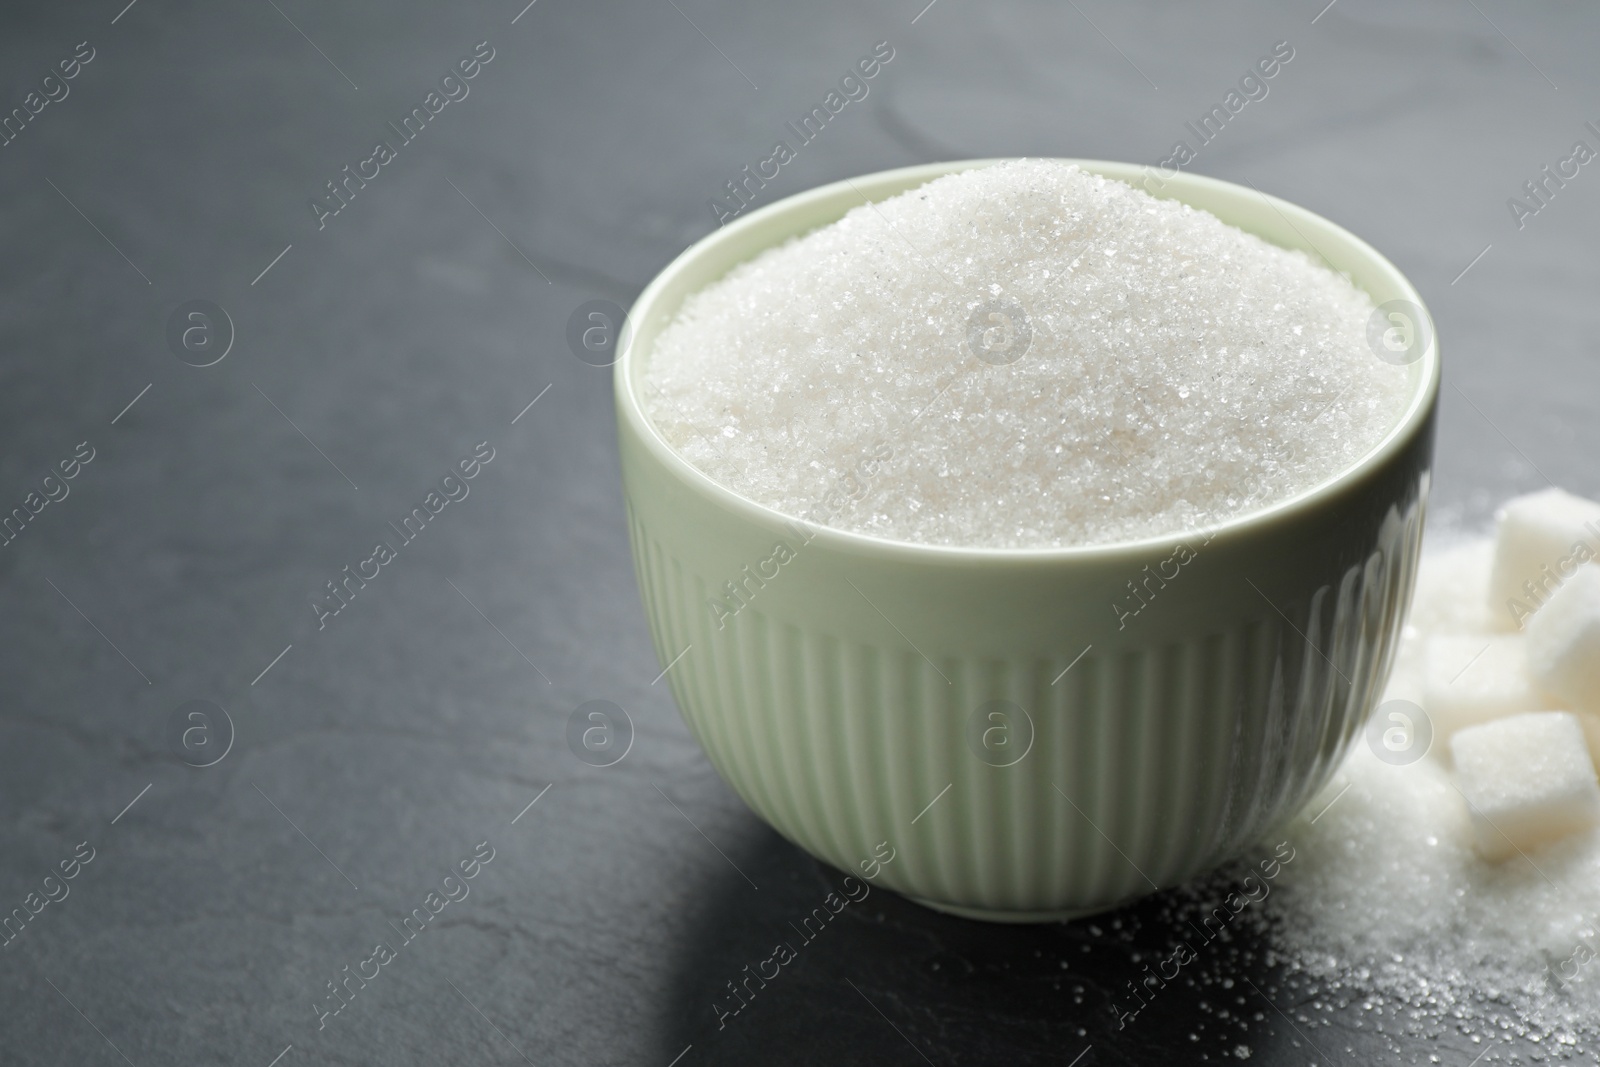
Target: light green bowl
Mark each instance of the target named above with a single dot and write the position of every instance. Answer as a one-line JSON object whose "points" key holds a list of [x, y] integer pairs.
{"points": [[851, 703]]}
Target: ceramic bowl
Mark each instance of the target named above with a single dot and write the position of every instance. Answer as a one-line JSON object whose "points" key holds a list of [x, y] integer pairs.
{"points": [[978, 714]]}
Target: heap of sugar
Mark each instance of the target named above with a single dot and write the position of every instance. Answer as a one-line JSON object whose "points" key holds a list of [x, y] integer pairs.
{"points": [[1460, 890], [1023, 355]]}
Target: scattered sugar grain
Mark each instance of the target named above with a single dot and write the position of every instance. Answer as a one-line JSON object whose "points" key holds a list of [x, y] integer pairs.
{"points": [[1389, 904], [1180, 371]]}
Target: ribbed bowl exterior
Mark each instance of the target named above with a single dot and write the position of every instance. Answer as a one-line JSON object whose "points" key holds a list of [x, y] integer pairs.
{"points": [[846, 687], [1150, 761]]}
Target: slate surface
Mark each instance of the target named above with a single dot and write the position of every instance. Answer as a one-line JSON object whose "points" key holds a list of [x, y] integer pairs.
{"points": [[372, 354]]}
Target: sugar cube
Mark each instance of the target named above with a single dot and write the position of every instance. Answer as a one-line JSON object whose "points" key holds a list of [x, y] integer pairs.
{"points": [[1541, 539], [1564, 641], [1591, 732], [1527, 779], [1452, 594], [1470, 679]]}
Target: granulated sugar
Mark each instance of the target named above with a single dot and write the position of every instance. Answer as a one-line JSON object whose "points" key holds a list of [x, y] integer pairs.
{"points": [[1137, 367], [1388, 905]]}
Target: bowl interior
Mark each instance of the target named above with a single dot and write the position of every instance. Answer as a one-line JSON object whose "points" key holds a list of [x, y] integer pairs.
{"points": [[1274, 220]]}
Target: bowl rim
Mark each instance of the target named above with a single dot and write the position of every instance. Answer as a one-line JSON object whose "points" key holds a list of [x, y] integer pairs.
{"points": [[879, 185]]}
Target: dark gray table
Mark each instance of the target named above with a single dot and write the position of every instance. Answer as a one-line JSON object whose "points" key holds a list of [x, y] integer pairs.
{"points": [[355, 765]]}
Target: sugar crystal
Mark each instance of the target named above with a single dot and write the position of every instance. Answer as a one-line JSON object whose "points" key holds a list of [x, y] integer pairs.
{"points": [[1046, 357]]}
